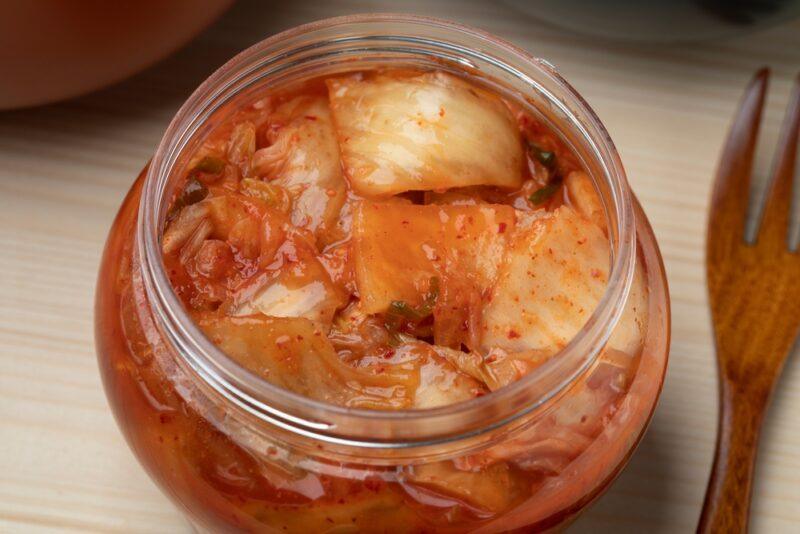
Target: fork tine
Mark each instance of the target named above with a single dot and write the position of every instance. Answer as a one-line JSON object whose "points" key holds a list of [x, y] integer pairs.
{"points": [[732, 185], [775, 221]]}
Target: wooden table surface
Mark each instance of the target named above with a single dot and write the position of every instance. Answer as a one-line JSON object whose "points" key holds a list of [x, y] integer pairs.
{"points": [[65, 168]]}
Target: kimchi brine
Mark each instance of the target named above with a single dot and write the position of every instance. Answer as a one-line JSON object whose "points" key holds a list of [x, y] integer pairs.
{"points": [[381, 240]]}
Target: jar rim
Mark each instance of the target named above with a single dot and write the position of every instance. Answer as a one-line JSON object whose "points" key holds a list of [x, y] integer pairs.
{"points": [[366, 428]]}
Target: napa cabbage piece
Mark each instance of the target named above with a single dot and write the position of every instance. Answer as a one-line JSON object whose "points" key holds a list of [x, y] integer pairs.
{"points": [[422, 132], [497, 368], [487, 492], [399, 248], [440, 383], [228, 211], [298, 285], [304, 159], [584, 198], [629, 333], [294, 353], [550, 444], [553, 278], [242, 146], [434, 381], [395, 253], [288, 296], [230, 217], [181, 229]]}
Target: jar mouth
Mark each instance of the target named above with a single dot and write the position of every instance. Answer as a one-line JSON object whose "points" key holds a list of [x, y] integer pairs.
{"points": [[324, 43]]}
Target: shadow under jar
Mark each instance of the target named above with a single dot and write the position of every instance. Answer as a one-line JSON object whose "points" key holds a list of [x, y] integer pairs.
{"points": [[236, 452]]}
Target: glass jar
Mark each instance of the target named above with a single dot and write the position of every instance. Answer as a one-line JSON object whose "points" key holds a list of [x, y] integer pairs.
{"points": [[237, 453]]}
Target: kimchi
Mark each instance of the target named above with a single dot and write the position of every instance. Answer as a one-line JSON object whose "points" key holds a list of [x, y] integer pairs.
{"points": [[394, 239]]}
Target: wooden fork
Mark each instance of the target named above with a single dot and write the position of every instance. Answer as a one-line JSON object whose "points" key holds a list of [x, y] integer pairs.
{"points": [[754, 290]]}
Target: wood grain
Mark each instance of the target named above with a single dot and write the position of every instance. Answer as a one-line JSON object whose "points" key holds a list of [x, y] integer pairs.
{"points": [[65, 168], [754, 291]]}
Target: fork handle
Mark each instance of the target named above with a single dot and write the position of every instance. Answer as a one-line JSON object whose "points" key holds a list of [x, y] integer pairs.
{"points": [[727, 503]]}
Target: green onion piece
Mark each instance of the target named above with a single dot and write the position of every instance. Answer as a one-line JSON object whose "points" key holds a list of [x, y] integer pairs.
{"points": [[210, 165], [393, 323], [193, 193], [545, 157], [402, 308], [394, 339], [540, 196]]}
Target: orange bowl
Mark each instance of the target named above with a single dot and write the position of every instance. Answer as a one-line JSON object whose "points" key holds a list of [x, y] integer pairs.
{"points": [[63, 49]]}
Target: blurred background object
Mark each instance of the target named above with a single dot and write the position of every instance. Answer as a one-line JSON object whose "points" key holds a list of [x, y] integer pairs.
{"points": [[55, 49], [660, 21]]}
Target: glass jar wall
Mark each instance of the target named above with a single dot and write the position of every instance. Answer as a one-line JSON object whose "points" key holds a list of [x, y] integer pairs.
{"points": [[237, 453]]}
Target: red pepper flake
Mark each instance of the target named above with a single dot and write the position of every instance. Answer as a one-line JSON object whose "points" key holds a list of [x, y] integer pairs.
{"points": [[299, 338], [596, 273], [582, 240], [389, 353], [441, 112], [513, 334], [501, 228], [311, 117]]}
